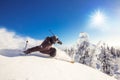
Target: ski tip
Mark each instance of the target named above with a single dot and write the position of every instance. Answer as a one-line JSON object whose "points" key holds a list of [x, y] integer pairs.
{"points": [[72, 62]]}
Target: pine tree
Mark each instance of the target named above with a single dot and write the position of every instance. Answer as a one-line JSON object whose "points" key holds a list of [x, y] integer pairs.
{"points": [[106, 61]]}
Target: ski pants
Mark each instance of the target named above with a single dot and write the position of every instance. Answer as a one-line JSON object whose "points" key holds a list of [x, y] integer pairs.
{"points": [[51, 51]]}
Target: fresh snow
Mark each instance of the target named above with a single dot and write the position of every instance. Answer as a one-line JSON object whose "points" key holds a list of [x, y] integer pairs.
{"points": [[14, 66]]}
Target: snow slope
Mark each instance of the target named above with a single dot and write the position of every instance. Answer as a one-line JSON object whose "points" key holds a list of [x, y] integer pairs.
{"points": [[36, 67]]}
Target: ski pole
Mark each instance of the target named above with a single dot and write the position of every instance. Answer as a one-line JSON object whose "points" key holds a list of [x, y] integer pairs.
{"points": [[51, 32], [26, 45]]}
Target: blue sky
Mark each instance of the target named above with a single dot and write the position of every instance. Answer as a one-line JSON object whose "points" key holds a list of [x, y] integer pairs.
{"points": [[66, 18]]}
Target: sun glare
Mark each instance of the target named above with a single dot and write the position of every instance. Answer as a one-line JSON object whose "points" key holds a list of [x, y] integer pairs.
{"points": [[97, 18]]}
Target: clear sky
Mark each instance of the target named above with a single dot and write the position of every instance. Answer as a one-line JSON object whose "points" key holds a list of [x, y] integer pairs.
{"points": [[66, 18]]}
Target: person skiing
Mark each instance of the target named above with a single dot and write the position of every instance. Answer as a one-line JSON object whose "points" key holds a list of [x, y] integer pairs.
{"points": [[46, 46]]}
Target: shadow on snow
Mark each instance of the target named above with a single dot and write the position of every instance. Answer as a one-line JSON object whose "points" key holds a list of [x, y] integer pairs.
{"points": [[17, 53]]}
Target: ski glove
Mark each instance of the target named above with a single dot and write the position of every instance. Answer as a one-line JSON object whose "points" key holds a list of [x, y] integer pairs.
{"points": [[59, 42]]}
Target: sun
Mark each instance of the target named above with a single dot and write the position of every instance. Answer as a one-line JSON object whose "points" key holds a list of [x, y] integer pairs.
{"points": [[98, 19]]}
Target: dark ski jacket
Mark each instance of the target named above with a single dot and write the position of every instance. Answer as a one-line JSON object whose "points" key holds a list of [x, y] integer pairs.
{"points": [[48, 42]]}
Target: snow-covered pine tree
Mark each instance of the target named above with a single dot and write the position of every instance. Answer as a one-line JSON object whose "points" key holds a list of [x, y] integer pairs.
{"points": [[83, 50], [118, 53], [106, 61], [70, 51]]}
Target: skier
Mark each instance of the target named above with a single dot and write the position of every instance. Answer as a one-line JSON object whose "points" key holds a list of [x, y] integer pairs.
{"points": [[46, 46]]}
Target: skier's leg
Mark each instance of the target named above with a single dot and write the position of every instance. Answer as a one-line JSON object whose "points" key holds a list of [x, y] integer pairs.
{"points": [[52, 52], [33, 49]]}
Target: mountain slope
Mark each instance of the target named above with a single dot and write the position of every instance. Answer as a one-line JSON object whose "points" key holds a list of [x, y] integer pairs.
{"points": [[41, 68]]}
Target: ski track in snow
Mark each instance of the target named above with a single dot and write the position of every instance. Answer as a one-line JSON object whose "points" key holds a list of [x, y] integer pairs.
{"points": [[14, 66]]}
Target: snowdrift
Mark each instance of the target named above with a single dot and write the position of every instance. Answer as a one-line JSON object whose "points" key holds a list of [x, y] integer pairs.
{"points": [[35, 67]]}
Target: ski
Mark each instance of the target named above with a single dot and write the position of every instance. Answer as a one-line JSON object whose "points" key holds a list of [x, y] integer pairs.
{"points": [[70, 61]]}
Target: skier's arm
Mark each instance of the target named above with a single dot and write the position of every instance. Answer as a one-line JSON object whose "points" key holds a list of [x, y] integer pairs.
{"points": [[46, 42], [59, 42]]}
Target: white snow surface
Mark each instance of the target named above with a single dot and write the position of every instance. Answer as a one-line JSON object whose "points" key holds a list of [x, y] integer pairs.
{"points": [[37, 67]]}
